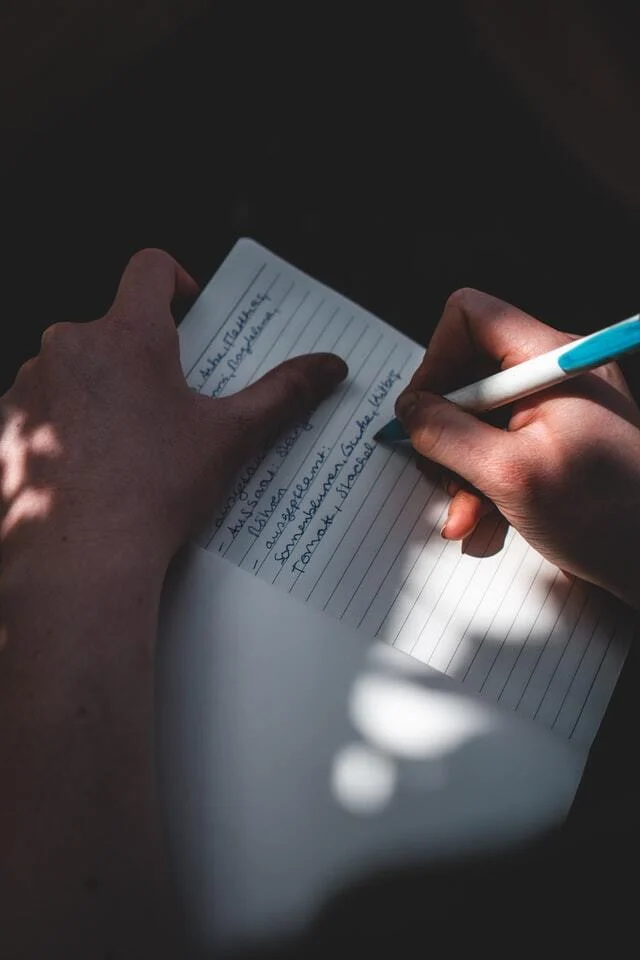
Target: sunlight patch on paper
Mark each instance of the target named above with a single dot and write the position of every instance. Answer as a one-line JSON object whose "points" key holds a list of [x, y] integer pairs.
{"points": [[411, 720], [363, 780]]}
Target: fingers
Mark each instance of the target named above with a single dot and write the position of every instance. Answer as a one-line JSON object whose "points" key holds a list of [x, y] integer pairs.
{"points": [[476, 334], [456, 440], [284, 396], [466, 510], [152, 280], [467, 507]]}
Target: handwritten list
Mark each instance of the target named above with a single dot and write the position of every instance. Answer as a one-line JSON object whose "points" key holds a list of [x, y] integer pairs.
{"points": [[353, 528]]}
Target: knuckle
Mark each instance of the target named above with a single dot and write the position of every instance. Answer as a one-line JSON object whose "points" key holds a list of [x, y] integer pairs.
{"points": [[429, 436], [151, 257], [457, 298], [478, 305], [464, 297], [25, 371], [60, 336]]}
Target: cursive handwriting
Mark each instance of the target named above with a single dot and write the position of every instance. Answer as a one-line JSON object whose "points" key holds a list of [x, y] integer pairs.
{"points": [[347, 483], [301, 504], [309, 513], [376, 398], [297, 496], [234, 362], [251, 502], [238, 491], [347, 448], [284, 448], [312, 545], [261, 517], [342, 489], [230, 337]]}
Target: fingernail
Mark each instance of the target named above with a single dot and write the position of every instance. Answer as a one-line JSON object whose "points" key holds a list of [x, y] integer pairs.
{"points": [[334, 367], [406, 405], [443, 530]]}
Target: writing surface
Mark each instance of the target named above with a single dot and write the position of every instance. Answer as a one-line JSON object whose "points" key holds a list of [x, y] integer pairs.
{"points": [[352, 527]]}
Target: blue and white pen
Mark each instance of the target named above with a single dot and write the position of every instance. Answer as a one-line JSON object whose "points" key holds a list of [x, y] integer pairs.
{"points": [[536, 374]]}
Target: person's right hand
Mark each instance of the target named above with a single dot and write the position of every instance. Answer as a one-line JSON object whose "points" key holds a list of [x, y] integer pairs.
{"points": [[566, 471]]}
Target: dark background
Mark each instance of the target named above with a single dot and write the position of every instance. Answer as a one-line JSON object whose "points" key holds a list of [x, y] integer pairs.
{"points": [[395, 157]]}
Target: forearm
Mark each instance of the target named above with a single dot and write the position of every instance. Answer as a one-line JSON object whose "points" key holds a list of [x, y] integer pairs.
{"points": [[108, 461], [81, 837]]}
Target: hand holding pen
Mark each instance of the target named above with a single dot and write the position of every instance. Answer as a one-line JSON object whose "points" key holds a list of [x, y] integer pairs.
{"points": [[566, 472]]}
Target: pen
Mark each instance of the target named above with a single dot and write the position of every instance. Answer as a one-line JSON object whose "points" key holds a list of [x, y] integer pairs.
{"points": [[536, 374]]}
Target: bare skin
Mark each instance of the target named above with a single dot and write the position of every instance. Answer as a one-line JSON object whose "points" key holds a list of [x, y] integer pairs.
{"points": [[565, 472], [108, 462]]}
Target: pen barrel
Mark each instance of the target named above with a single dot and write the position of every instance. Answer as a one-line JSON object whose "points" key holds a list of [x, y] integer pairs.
{"points": [[512, 384], [550, 368]]}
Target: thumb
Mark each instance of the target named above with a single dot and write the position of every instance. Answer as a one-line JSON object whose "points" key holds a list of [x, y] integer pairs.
{"points": [[258, 414], [453, 438]]}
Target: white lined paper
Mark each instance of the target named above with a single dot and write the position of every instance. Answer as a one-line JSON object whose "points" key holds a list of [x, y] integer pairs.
{"points": [[353, 528]]}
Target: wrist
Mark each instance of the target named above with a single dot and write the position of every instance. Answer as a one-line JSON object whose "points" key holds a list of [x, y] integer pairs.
{"points": [[79, 583]]}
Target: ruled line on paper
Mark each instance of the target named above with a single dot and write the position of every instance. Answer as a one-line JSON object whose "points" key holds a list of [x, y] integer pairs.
{"points": [[342, 523]]}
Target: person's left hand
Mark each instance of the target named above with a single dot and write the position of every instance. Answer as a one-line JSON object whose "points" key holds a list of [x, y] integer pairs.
{"points": [[102, 438]]}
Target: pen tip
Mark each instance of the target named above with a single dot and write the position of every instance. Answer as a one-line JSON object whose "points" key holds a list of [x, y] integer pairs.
{"points": [[392, 432]]}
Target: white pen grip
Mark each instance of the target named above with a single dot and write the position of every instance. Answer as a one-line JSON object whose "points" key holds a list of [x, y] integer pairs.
{"points": [[512, 384]]}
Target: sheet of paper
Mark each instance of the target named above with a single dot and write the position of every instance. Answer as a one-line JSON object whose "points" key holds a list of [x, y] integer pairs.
{"points": [[353, 528], [297, 758]]}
